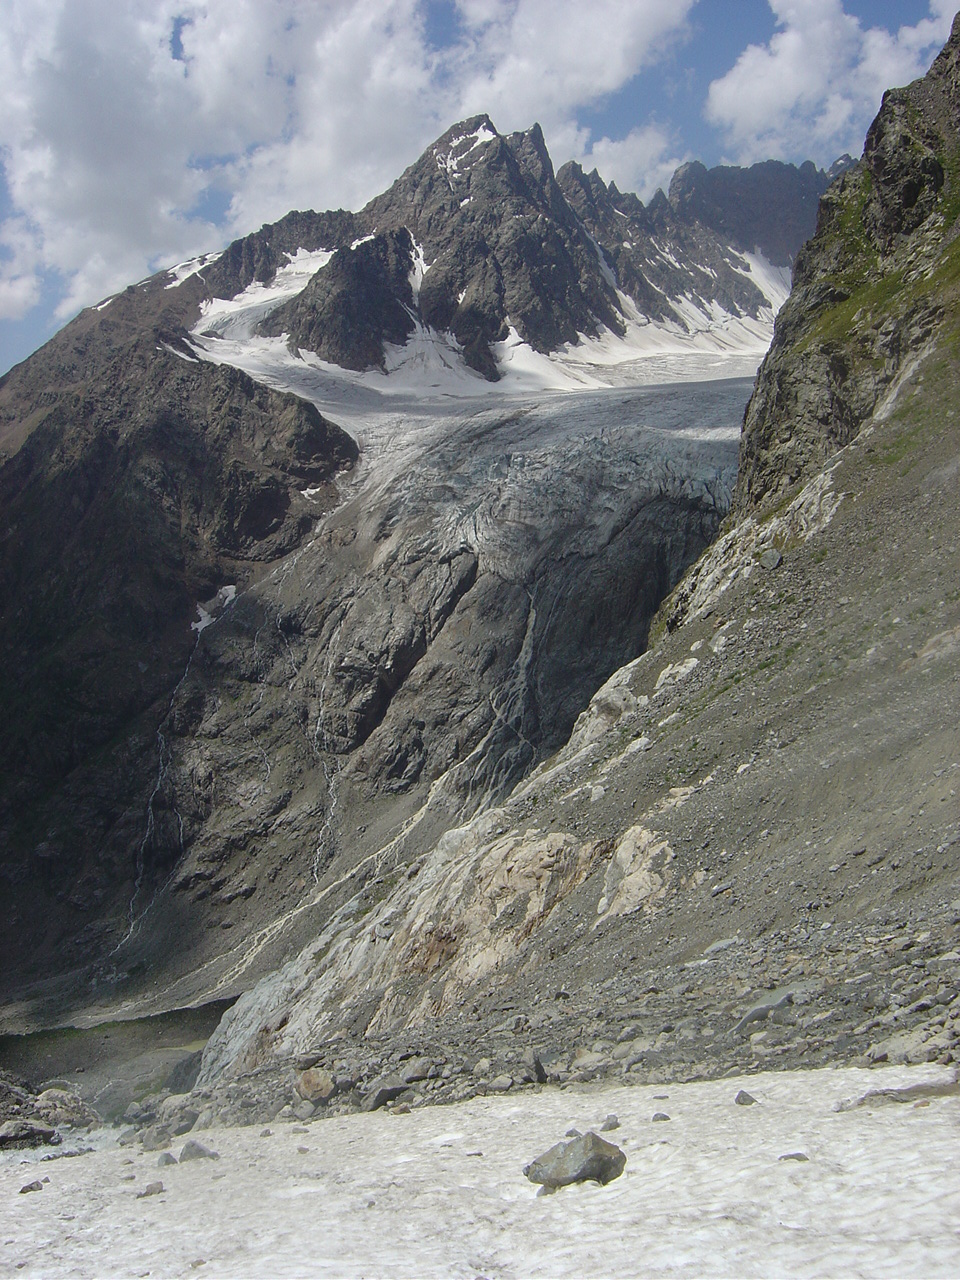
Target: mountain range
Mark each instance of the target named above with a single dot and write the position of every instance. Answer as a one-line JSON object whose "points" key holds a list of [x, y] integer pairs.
{"points": [[378, 629], [146, 472]]}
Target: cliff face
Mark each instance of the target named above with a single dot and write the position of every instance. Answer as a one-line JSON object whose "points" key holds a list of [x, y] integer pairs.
{"points": [[147, 482], [771, 206], [869, 290]]}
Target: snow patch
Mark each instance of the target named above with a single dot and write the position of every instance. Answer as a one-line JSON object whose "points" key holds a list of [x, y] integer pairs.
{"points": [[418, 270], [210, 610], [721, 1190], [605, 269], [449, 163], [704, 342], [237, 317], [773, 282], [182, 355], [184, 270]]}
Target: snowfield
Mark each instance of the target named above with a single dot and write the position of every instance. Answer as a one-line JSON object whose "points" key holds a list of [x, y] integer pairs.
{"points": [[711, 343], [440, 1191]]}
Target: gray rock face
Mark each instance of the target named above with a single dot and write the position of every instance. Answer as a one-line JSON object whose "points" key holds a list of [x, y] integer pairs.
{"points": [[256, 258], [438, 637], [771, 206], [155, 480], [586, 1159], [359, 301]]}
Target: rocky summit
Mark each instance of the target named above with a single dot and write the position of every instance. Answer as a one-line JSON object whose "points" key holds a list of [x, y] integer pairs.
{"points": [[470, 737]]}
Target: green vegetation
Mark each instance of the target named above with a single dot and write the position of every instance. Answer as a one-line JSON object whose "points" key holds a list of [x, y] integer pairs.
{"points": [[868, 303], [907, 441], [874, 293]]}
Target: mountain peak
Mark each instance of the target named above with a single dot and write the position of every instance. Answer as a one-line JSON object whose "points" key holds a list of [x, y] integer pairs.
{"points": [[464, 136], [506, 244]]}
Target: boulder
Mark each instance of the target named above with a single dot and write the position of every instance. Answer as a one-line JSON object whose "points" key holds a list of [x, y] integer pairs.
{"points": [[184, 1122], [194, 1150], [315, 1084], [589, 1158], [26, 1133], [385, 1090], [155, 1137], [56, 1106], [415, 1070], [532, 1060]]}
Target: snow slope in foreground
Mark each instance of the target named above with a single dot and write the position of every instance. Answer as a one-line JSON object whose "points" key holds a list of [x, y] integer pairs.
{"points": [[440, 1191]]}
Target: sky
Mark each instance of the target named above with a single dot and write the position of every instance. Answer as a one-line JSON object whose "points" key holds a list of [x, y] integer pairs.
{"points": [[135, 134]]}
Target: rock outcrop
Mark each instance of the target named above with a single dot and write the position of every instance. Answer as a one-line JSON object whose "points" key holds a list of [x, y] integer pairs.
{"points": [[868, 289]]}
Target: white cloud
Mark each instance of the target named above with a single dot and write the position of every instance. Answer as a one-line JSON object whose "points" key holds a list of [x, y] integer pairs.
{"points": [[642, 161], [549, 58], [18, 293], [109, 142], [813, 89]]}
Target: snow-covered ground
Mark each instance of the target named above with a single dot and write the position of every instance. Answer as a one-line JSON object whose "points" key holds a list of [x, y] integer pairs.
{"points": [[440, 1191]]}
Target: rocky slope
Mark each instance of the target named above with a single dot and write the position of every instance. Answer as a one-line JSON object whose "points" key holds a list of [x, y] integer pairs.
{"points": [[145, 484], [749, 849]]}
